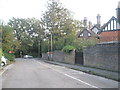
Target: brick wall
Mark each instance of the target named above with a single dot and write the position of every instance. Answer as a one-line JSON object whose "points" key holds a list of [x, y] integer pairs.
{"points": [[110, 36], [70, 57], [60, 56], [44, 56], [104, 55]]}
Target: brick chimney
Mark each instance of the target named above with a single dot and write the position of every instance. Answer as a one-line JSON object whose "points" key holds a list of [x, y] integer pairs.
{"points": [[118, 12], [98, 20], [85, 22], [90, 25]]}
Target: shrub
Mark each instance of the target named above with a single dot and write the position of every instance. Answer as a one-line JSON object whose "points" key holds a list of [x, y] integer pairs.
{"points": [[0, 53], [9, 56], [80, 44], [68, 49]]}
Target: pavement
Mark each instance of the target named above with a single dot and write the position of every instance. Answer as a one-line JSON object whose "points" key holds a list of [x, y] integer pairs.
{"points": [[95, 71], [32, 73]]}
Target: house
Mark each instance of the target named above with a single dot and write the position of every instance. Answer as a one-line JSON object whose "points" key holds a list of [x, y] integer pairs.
{"points": [[96, 28], [85, 34], [88, 31], [111, 30]]}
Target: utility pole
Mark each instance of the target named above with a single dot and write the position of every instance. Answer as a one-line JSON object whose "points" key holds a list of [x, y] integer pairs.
{"points": [[48, 50], [38, 47], [51, 48], [1, 34]]}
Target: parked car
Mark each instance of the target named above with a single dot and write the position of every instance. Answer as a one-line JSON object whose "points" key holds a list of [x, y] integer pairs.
{"points": [[28, 56], [3, 61]]}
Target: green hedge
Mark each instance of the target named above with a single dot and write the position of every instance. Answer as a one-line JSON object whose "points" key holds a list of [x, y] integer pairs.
{"points": [[68, 48], [9, 56], [0, 53]]}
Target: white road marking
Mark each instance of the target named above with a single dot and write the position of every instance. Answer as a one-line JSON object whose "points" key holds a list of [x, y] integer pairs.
{"points": [[71, 77], [6, 68], [2, 72]]}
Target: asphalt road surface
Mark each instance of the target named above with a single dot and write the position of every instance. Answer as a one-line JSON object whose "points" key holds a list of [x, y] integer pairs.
{"points": [[30, 73]]}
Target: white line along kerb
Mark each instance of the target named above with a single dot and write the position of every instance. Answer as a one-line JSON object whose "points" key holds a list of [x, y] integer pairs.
{"points": [[72, 77]]}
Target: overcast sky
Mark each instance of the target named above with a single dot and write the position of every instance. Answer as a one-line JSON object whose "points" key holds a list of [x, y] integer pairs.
{"points": [[79, 8]]}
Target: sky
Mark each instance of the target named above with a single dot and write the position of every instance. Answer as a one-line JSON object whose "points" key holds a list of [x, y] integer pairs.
{"points": [[79, 9]]}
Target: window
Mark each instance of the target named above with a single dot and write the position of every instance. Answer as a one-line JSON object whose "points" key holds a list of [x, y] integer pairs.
{"points": [[89, 34], [81, 35]]}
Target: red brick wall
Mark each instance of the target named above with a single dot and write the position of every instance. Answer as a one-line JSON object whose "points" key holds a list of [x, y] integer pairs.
{"points": [[110, 36]]}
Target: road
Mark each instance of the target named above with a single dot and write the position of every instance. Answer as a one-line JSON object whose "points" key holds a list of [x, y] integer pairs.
{"points": [[30, 73]]}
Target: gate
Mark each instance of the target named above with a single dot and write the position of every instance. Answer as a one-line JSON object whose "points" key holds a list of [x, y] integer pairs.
{"points": [[79, 58]]}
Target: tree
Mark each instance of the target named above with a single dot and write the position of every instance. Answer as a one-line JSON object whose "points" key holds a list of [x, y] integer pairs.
{"points": [[80, 43], [59, 21], [7, 39], [27, 31]]}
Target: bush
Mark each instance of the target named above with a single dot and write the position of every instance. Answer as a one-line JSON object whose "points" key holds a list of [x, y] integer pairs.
{"points": [[0, 53], [68, 49], [9, 56], [80, 44]]}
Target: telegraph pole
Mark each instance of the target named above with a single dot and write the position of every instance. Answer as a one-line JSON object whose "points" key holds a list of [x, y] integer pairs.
{"points": [[51, 47]]}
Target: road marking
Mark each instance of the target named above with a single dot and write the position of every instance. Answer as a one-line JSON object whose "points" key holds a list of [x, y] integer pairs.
{"points": [[2, 72], [72, 77], [82, 81], [6, 68]]}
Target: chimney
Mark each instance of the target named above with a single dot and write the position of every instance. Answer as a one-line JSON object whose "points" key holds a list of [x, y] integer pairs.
{"points": [[90, 25], [98, 20], [118, 12], [85, 22]]}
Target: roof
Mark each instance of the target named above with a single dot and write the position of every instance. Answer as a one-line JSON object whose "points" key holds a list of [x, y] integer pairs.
{"points": [[106, 24], [80, 32], [95, 26]]}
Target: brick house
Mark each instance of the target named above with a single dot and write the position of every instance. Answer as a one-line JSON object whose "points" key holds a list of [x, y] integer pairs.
{"points": [[111, 30], [86, 34], [88, 31], [96, 28]]}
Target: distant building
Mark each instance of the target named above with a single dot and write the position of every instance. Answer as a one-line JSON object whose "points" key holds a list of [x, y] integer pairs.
{"points": [[85, 34], [96, 28], [110, 31], [88, 31]]}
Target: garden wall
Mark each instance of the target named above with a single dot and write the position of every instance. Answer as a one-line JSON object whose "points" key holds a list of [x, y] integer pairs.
{"points": [[70, 57], [104, 55], [45, 56], [60, 56]]}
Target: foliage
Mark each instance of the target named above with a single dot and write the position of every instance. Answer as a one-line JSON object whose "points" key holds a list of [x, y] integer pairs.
{"points": [[9, 56], [80, 43], [26, 31], [0, 53], [45, 46], [9, 43], [60, 23], [68, 48]]}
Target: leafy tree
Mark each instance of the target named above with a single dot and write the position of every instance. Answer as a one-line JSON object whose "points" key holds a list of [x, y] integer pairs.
{"points": [[68, 48], [27, 31], [80, 43], [9, 43], [60, 23], [7, 39]]}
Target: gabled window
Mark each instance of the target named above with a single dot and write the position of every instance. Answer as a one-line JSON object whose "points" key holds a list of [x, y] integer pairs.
{"points": [[89, 34], [112, 24], [81, 35]]}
